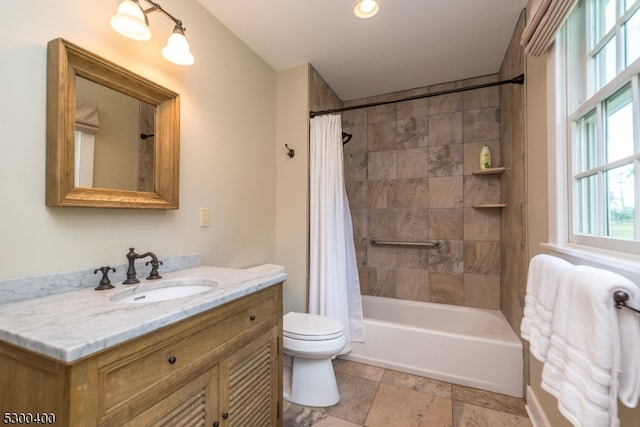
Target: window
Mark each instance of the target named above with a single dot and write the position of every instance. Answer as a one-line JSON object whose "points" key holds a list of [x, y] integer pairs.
{"points": [[84, 149], [599, 48]]}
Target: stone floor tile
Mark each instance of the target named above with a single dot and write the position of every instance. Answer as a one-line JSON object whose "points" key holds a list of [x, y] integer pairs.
{"points": [[360, 370], [417, 383], [397, 406], [356, 397], [387, 398], [487, 399], [466, 415], [301, 416]]}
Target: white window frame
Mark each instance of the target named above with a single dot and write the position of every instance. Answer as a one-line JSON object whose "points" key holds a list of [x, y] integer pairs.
{"points": [[618, 253], [84, 158]]}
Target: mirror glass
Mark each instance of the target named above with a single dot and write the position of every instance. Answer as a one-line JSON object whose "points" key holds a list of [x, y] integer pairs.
{"points": [[113, 137]]}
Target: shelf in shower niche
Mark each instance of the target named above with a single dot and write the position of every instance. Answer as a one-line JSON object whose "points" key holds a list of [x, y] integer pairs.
{"points": [[489, 206], [492, 171]]}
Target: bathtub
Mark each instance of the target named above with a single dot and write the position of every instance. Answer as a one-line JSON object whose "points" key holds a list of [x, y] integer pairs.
{"points": [[461, 345]]}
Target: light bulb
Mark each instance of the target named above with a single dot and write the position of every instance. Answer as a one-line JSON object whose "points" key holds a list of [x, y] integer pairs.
{"points": [[177, 49], [366, 8], [130, 21]]}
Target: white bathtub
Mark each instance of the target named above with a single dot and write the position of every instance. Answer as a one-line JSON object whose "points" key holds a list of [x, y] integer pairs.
{"points": [[461, 345]]}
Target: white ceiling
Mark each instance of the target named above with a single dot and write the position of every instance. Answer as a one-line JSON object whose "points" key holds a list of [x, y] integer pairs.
{"points": [[410, 43]]}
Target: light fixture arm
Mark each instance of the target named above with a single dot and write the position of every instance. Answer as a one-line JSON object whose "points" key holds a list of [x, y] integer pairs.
{"points": [[155, 7], [132, 21]]}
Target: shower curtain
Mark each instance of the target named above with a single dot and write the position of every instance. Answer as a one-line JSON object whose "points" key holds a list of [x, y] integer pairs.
{"points": [[334, 287]]}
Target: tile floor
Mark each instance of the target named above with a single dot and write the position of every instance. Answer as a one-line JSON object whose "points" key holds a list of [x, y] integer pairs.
{"points": [[377, 397]]}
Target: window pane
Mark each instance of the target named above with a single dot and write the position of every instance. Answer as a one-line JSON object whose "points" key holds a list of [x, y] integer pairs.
{"points": [[605, 18], [621, 202], [587, 213], [605, 62], [619, 140], [632, 34], [587, 154]]}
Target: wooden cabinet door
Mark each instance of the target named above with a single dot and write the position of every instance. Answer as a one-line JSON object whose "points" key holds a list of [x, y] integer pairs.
{"points": [[194, 404], [249, 384]]}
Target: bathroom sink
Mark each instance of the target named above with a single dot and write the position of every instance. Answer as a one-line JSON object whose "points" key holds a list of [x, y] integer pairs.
{"points": [[163, 291]]}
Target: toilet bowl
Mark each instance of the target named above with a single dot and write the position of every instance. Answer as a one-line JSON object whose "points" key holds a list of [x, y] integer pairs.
{"points": [[309, 343]]}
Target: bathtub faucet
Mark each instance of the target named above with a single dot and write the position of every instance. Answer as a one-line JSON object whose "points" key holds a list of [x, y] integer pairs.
{"points": [[132, 256]]}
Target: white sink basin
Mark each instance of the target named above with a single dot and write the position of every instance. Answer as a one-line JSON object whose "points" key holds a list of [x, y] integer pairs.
{"points": [[166, 290]]}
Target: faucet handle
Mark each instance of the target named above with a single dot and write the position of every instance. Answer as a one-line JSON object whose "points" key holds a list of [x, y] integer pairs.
{"points": [[154, 269], [105, 283]]}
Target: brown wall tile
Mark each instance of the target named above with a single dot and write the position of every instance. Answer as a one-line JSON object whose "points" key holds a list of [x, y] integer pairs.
{"points": [[413, 132], [445, 129], [410, 171]]}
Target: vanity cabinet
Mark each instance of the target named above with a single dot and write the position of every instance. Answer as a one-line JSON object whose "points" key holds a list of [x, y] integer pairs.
{"points": [[222, 367]]}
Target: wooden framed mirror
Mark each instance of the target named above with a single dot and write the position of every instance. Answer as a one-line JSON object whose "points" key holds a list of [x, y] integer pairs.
{"points": [[80, 177]]}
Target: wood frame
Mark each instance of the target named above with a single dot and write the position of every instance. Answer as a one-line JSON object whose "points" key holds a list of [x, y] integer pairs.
{"points": [[65, 61]]}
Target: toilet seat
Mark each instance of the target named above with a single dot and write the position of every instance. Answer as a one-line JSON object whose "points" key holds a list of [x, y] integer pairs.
{"points": [[311, 327]]}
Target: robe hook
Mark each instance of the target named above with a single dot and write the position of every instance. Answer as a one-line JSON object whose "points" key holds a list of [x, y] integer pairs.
{"points": [[291, 152]]}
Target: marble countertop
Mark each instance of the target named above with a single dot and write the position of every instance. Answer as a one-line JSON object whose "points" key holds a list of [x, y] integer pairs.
{"points": [[72, 325]]}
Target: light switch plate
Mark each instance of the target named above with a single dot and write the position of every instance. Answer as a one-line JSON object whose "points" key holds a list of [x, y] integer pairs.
{"points": [[205, 217]]}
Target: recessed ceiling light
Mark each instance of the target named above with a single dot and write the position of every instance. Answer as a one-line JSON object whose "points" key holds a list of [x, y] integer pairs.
{"points": [[366, 8]]}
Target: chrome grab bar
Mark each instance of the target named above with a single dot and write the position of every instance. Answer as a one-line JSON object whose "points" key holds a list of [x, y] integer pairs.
{"points": [[432, 244]]}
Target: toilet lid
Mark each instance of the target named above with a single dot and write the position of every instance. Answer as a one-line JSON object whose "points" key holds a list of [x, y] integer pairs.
{"points": [[311, 327]]}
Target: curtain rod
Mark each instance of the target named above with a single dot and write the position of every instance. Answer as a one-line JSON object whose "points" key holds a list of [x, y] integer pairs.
{"points": [[516, 80]]}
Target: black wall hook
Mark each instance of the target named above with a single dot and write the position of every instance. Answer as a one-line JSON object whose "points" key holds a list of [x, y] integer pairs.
{"points": [[290, 151]]}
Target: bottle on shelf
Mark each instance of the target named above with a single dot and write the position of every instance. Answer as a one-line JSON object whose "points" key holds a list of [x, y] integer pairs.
{"points": [[485, 158]]}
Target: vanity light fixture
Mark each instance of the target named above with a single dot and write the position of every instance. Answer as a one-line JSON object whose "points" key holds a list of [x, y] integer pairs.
{"points": [[366, 8], [131, 21]]}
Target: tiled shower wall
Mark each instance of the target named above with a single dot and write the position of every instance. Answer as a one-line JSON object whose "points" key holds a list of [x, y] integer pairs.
{"points": [[408, 173], [321, 96], [514, 186]]}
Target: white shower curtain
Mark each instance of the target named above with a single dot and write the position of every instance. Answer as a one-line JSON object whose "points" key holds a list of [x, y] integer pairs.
{"points": [[334, 287]]}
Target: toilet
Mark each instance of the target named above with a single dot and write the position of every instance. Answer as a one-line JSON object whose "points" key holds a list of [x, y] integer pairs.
{"points": [[310, 341]]}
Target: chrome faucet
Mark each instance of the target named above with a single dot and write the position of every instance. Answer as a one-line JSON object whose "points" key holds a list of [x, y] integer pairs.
{"points": [[131, 271]]}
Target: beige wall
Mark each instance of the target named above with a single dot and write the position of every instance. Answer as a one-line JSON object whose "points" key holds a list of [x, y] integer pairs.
{"points": [[292, 199], [228, 144]]}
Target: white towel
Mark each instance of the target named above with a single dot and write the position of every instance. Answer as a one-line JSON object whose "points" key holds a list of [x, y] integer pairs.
{"points": [[540, 301], [629, 321], [585, 368]]}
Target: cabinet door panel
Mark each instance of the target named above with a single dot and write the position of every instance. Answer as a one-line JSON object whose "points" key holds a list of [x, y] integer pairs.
{"points": [[247, 381], [195, 404]]}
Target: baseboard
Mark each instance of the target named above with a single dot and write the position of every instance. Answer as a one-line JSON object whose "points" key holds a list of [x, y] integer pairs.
{"points": [[534, 410]]}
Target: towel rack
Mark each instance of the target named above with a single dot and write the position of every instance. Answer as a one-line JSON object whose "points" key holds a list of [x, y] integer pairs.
{"points": [[621, 298], [431, 244]]}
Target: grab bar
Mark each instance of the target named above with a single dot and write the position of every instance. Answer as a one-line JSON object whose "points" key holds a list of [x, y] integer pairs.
{"points": [[432, 244], [621, 298]]}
